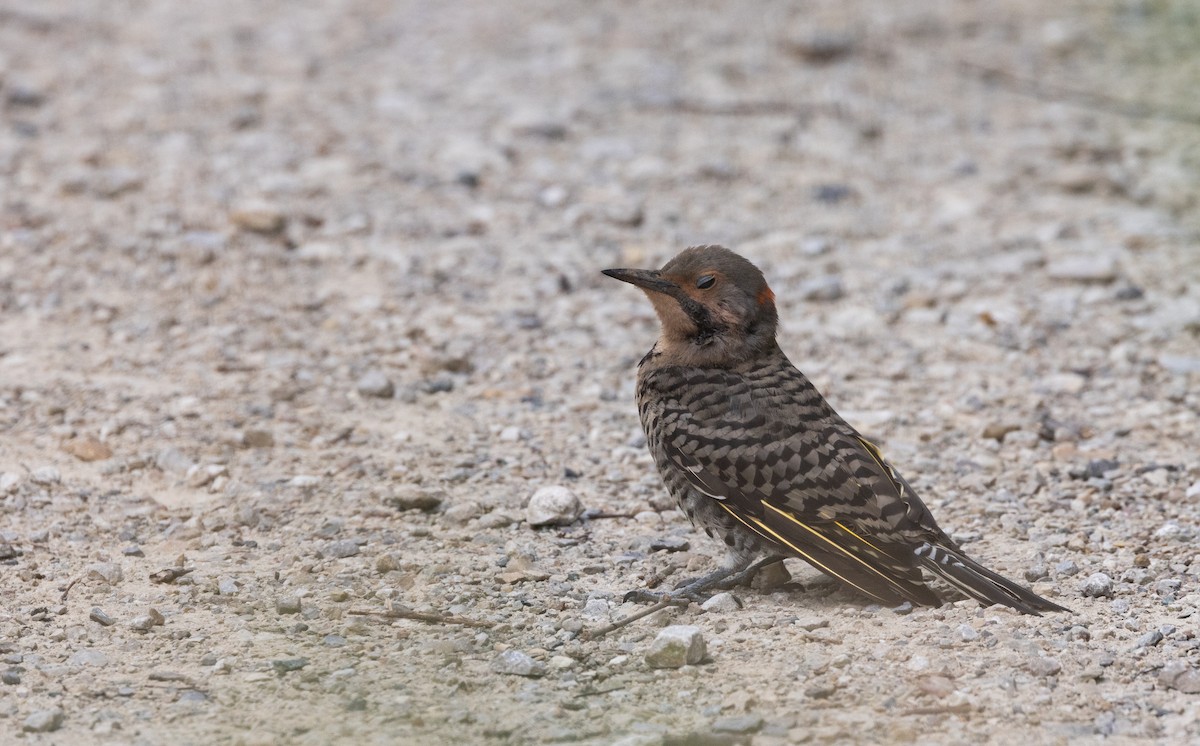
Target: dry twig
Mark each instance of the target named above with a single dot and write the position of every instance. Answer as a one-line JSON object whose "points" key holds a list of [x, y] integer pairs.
{"points": [[421, 616]]}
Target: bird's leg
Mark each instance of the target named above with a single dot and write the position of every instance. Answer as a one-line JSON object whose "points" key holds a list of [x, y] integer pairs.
{"points": [[726, 576]]}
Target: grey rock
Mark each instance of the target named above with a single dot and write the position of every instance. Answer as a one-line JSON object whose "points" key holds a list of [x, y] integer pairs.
{"points": [[670, 544], [44, 721], [113, 182], [1168, 586], [415, 497], [677, 646], [822, 47], [461, 512], [333, 641], [1179, 364], [9, 481], [288, 604], [10, 676], [88, 657], [106, 572], [1150, 639], [1181, 676], [305, 482], [1040, 665], [721, 603], [228, 587], [258, 438], [967, 632], [387, 562], [825, 288], [146, 622], [258, 216], [341, 549], [1064, 569], [810, 623], [552, 506], [1083, 268], [98, 616], [738, 724], [595, 608], [287, 665], [516, 663], [46, 476], [375, 383], [172, 460], [1097, 585]]}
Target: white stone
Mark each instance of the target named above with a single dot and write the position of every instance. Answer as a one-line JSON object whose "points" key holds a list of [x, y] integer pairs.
{"points": [[552, 506], [677, 646], [721, 603]]}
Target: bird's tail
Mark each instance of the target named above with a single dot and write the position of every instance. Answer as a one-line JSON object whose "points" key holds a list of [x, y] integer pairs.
{"points": [[980, 583]]}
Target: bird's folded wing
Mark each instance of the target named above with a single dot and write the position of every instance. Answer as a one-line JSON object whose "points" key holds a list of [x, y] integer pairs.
{"points": [[824, 494]]}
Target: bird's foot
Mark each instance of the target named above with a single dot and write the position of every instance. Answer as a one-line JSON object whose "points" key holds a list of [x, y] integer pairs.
{"points": [[699, 590]]}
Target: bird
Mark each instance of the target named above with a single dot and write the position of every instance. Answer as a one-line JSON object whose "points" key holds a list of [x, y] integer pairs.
{"points": [[754, 455]]}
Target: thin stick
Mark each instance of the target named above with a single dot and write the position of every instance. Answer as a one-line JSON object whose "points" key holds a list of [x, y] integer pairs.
{"points": [[596, 634], [422, 616], [70, 585]]}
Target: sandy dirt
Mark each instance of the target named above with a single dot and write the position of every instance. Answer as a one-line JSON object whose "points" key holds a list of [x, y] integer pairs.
{"points": [[300, 304]]}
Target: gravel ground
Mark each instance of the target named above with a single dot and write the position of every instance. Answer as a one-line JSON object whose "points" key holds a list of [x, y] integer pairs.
{"points": [[301, 306]]}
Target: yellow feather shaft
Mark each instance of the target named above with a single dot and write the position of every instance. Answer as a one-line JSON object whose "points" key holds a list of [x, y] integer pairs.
{"points": [[762, 529], [840, 548]]}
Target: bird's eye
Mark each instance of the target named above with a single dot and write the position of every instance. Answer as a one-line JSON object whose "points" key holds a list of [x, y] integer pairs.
{"points": [[705, 282]]}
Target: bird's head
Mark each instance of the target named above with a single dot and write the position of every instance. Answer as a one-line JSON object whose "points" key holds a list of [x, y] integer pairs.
{"points": [[714, 305]]}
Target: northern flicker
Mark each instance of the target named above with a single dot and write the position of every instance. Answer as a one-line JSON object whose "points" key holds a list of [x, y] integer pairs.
{"points": [[755, 456]]}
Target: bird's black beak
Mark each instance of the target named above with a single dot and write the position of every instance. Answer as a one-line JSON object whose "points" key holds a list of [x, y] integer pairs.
{"points": [[647, 279]]}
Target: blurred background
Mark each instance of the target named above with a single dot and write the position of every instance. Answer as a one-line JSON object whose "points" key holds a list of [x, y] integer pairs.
{"points": [[307, 295]]}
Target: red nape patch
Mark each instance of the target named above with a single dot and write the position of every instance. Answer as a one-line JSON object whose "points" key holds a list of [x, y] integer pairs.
{"points": [[765, 296]]}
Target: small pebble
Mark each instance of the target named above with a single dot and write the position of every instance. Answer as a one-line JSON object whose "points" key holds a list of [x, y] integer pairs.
{"points": [[1040, 665], [595, 608], [552, 506], [144, 622], [107, 572], [375, 383], [258, 439], [738, 724], [44, 721], [822, 289], [258, 217], [670, 544], [1086, 268], [287, 605], [516, 663], [415, 497], [1097, 585], [1181, 676], [46, 476], [287, 665], [721, 603], [388, 562], [97, 615], [88, 657], [1150, 639], [341, 549], [676, 646]]}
